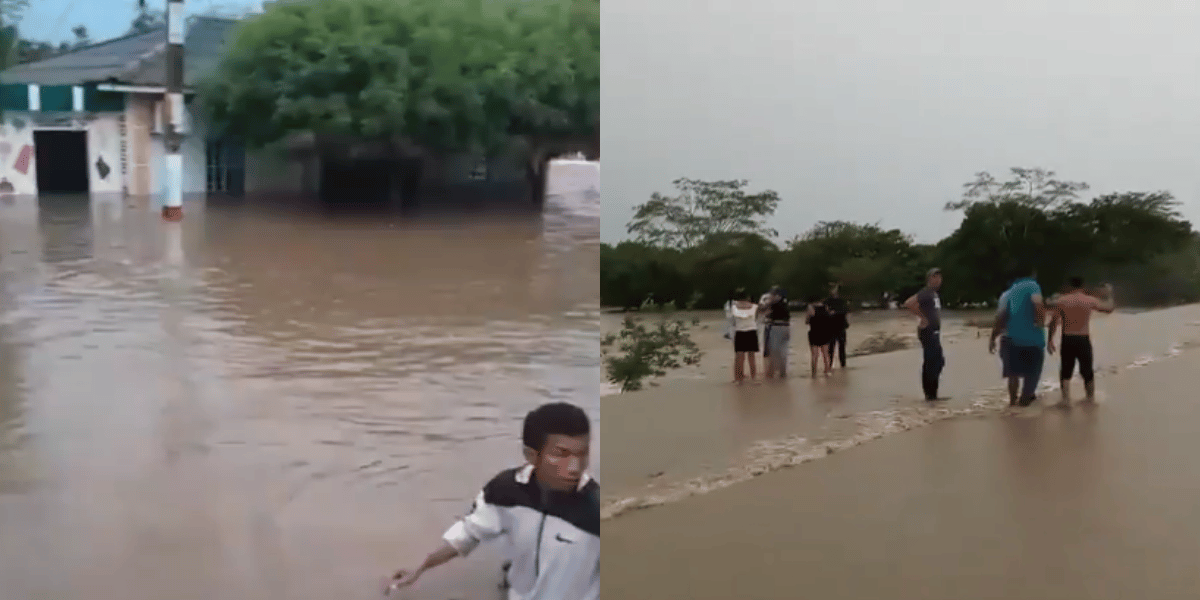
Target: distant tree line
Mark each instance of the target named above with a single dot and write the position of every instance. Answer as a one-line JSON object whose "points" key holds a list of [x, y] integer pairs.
{"points": [[696, 248]]}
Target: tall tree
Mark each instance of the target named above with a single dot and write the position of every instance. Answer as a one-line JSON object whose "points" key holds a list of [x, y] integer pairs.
{"points": [[1028, 185], [411, 74], [559, 110], [703, 209], [867, 259]]}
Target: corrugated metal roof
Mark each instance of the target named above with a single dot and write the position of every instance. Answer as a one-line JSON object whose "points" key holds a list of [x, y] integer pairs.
{"points": [[112, 59], [136, 59]]}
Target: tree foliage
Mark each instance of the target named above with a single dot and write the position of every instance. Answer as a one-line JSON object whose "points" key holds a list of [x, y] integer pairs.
{"points": [[1029, 185], [639, 351], [702, 209], [11, 11], [1137, 240], [442, 75]]}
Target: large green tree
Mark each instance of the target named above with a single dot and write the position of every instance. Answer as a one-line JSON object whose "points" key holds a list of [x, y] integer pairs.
{"points": [[414, 75], [865, 258], [700, 210]]}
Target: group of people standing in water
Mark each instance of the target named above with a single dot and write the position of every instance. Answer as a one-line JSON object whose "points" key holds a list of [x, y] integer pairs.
{"points": [[827, 323], [1020, 327]]}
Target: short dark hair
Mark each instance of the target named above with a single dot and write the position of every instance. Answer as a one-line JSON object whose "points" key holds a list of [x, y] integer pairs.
{"points": [[556, 418], [1075, 282]]}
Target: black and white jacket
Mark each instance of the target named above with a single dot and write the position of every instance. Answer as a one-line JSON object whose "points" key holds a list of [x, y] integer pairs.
{"points": [[555, 536]]}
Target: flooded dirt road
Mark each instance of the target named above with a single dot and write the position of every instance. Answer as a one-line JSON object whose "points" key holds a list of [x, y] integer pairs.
{"points": [[1092, 502], [695, 432], [273, 402]]}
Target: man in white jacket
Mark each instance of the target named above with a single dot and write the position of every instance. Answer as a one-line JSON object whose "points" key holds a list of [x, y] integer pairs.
{"points": [[549, 509]]}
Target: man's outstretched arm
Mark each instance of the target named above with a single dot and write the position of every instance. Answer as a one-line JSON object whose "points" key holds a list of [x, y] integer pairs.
{"points": [[481, 525]]}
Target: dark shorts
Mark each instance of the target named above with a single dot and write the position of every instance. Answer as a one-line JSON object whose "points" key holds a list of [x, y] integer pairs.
{"points": [[819, 337], [1026, 361], [745, 341], [1077, 349]]}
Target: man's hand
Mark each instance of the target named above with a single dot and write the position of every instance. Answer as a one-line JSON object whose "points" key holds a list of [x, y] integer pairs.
{"points": [[1108, 291], [402, 579], [1050, 346]]}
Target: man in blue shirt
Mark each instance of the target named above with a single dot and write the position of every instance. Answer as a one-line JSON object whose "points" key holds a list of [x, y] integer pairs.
{"points": [[1026, 316]]}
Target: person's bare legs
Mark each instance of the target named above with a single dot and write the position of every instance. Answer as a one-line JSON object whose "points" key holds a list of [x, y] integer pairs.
{"points": [[738, 369], [1089, 386], [827, 350], [753, 364], [1065, 387], [768, 368], [1014, 388], [816, 355]]}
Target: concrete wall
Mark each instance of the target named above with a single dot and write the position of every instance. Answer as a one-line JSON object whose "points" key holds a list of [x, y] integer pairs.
{"points": [[16, 134], [139, 122], [104, 144], [103, 132]]}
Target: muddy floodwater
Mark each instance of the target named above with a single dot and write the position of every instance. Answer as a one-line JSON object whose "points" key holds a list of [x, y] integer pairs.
{"points": [[270, 401]]}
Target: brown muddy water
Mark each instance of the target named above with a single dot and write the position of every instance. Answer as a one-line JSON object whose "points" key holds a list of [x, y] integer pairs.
{"points": [[273, 402]]}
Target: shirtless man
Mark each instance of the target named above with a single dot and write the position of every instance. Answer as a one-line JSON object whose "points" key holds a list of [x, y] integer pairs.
{"points": [[1074, 309]]}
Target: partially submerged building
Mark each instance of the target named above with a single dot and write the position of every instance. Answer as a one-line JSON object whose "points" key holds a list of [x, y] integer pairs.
{"points": [[88, 121]]}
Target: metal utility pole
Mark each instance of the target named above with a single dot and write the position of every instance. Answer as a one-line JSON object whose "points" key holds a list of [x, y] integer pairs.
{"points": [[173, 113]]}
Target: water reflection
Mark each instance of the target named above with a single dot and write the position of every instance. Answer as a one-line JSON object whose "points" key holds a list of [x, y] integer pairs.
{"points": [[269, 402]]}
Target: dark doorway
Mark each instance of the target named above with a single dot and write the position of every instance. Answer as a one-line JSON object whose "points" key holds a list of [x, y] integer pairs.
{"points": [[61, 159]]}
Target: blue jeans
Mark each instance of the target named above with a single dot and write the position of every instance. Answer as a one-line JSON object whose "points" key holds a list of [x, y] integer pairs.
{"points": [[934, 360]]}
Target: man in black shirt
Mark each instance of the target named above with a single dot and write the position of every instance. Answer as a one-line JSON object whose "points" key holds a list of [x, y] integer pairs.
{"points": [[926, 305], [838, 309]]}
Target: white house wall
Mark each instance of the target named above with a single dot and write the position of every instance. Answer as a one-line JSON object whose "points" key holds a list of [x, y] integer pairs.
{"points": [[16, 132], [104, 144]]}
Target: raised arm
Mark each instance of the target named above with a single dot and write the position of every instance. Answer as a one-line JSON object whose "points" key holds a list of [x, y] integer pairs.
{"points": [[1108, 304]]}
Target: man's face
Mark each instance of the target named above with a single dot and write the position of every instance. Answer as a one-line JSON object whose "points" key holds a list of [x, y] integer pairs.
{"points": [[935, 281], [561, 463]]}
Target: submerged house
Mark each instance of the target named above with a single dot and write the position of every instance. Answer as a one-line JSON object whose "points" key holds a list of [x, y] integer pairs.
{"points": [[88, 121]]}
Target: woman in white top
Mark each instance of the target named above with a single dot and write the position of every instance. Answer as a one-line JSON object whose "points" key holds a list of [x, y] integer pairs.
{"points": [[745, 337]]}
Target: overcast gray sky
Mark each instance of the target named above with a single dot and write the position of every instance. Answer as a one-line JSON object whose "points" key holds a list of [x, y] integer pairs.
{"points": [[879, 110]]}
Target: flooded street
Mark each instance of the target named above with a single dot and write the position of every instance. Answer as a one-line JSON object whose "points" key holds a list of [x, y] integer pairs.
{"points": [[273, 401]]}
